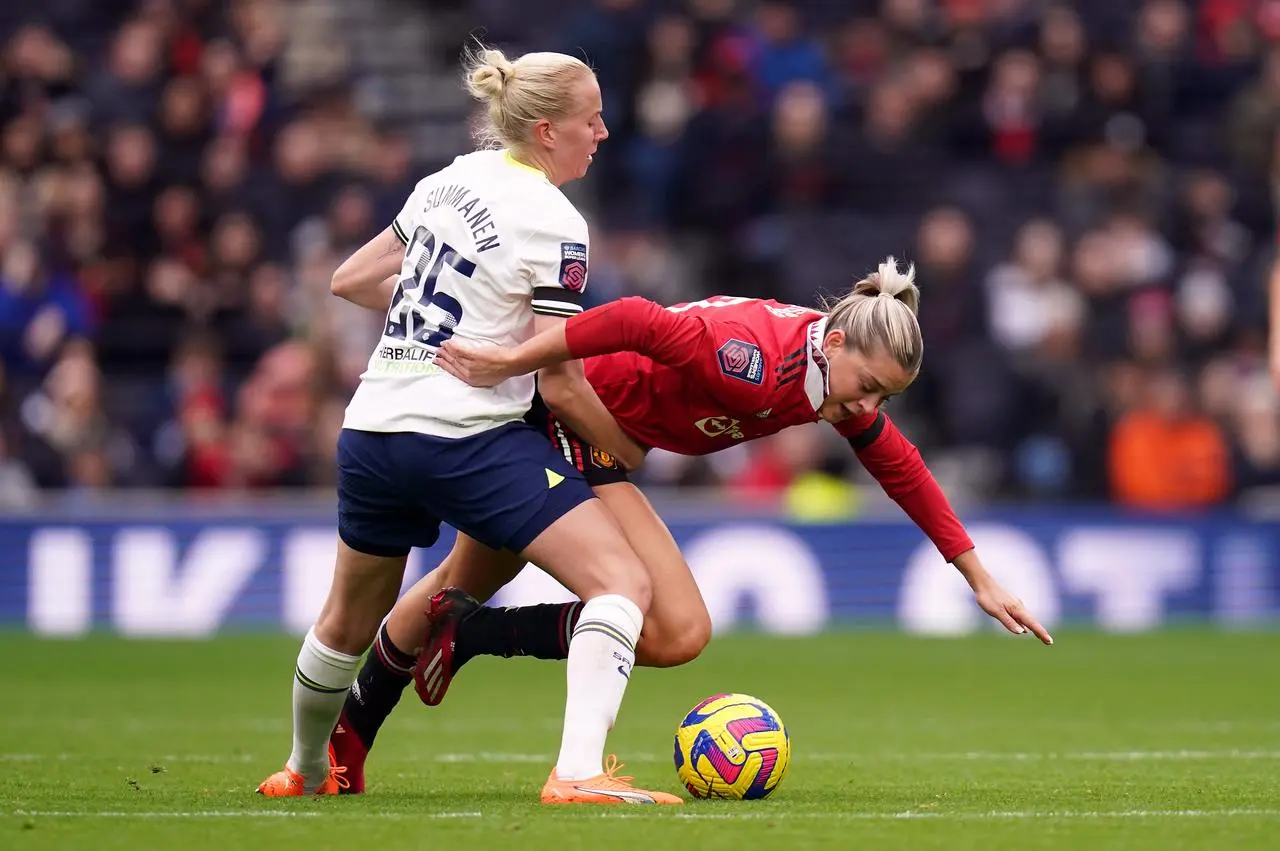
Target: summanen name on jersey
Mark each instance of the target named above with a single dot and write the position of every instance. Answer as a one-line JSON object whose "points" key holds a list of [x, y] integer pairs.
{"points": [[465, 202], [452, 283]]}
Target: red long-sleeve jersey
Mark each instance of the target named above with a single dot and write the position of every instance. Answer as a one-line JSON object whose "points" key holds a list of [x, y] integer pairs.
{"points": [[697, 378]]}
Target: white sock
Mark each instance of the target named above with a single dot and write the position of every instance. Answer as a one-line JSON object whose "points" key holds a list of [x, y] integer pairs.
{"points": [[320, 684], [601, 653]]}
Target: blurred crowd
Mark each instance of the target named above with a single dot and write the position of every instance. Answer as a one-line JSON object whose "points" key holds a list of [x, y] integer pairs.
{"points": [[178, 181], [1086, 189]]}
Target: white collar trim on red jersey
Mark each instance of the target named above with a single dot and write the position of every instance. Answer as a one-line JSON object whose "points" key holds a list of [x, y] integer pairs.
{"points": [[816, 383]]}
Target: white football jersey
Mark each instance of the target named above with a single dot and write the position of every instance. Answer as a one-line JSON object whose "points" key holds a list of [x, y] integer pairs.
{"points": [[490, 242]]}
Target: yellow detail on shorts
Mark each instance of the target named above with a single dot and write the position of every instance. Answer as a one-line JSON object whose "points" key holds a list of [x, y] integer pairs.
{"points": [[553, 479]]}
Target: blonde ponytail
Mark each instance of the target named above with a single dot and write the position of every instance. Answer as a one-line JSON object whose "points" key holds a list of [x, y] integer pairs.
{"points": [[880, 313]]}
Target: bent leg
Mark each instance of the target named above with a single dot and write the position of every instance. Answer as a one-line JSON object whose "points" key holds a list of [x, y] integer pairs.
{"points": [[677, 626], [587, 552], [470, 565]]}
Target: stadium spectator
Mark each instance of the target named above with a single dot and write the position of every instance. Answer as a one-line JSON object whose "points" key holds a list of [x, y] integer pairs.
{"points": [[1164, 455], [1087, 189]]}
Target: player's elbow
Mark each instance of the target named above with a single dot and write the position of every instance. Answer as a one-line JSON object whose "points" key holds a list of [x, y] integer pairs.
{"points": [[645, 317], [639, 305], [343, 283], [559, 385]]}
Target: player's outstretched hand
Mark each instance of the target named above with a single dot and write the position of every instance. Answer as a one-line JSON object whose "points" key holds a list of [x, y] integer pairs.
{"points": [[480, 365], [1010, 611]]}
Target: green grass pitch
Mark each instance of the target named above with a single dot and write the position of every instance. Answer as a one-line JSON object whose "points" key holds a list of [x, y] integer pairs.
{"points": [[1162, 741]]}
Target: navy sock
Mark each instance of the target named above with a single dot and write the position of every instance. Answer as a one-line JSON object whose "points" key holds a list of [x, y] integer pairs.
{"points": [[377, 688], [542, 631]]}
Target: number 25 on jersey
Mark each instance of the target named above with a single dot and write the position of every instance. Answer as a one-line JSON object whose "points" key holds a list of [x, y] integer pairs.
{"points": [[419, 314]]}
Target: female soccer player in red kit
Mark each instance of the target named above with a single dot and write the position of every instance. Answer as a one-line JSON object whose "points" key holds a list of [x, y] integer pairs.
{"points": [[691, 379]]}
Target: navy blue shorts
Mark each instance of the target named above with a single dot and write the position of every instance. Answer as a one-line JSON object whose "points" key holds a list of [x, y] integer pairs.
{"points": [[596, 465], [503, 487]]}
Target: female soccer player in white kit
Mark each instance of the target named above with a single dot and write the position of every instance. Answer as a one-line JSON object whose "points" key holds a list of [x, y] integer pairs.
{"points": [[488, 249]]}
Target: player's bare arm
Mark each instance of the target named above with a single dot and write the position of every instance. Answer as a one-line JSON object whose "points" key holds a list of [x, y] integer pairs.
{"points": [[630, 324], [368, 277], [484, 365], [571, 398]]}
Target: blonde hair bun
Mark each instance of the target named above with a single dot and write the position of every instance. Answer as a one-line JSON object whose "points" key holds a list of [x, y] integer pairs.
{"points": [[489, 74], [520, 92]]}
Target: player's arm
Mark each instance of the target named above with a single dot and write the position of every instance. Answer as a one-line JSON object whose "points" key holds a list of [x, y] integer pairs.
{"points": [[628, 325], [368, 277], [567, 393], [896, 464], [555, 263]]}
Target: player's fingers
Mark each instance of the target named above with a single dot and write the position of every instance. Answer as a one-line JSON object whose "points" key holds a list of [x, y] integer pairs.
{"points": [[451, 363], [456, 356], [471, 364], [1008, 621], [1036, 629], [447, 364]]}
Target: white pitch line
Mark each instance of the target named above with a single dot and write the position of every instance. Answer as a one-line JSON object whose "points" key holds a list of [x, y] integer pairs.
{"points": [[907, 756], [201, 814], [487, 756], [214, 758], [509, 758], [993, 815], [910, 815], [1083, 756], [124, 814]]}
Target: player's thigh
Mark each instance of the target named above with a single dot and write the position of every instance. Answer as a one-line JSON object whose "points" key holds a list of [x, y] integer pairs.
{"points": [[509, 489], [587, 552], [677, 626], [598, 468], [378, 512], [476, 568], [363, 590], [377, 527], [470, 565], [501, 487]]}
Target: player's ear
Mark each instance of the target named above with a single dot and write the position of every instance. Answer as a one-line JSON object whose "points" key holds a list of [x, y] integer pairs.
{"points": [[544, 133], [834, 341]]}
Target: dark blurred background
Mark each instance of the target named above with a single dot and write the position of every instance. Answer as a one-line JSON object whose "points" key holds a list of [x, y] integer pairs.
{"points": [[1086, 189]]}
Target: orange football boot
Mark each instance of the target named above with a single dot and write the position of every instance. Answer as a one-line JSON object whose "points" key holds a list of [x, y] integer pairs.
{"points": [[607, 788], [287, 782]]}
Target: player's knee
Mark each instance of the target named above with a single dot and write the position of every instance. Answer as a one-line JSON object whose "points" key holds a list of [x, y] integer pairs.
{"points": [[625, 576], [636, 587], [694, 638], [678, 646], [347, 630]]}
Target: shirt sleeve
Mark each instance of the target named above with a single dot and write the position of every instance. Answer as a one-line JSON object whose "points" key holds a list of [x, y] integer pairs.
{"points": [[402, 225], [727, 358], [554, 259], [896, 464]]}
